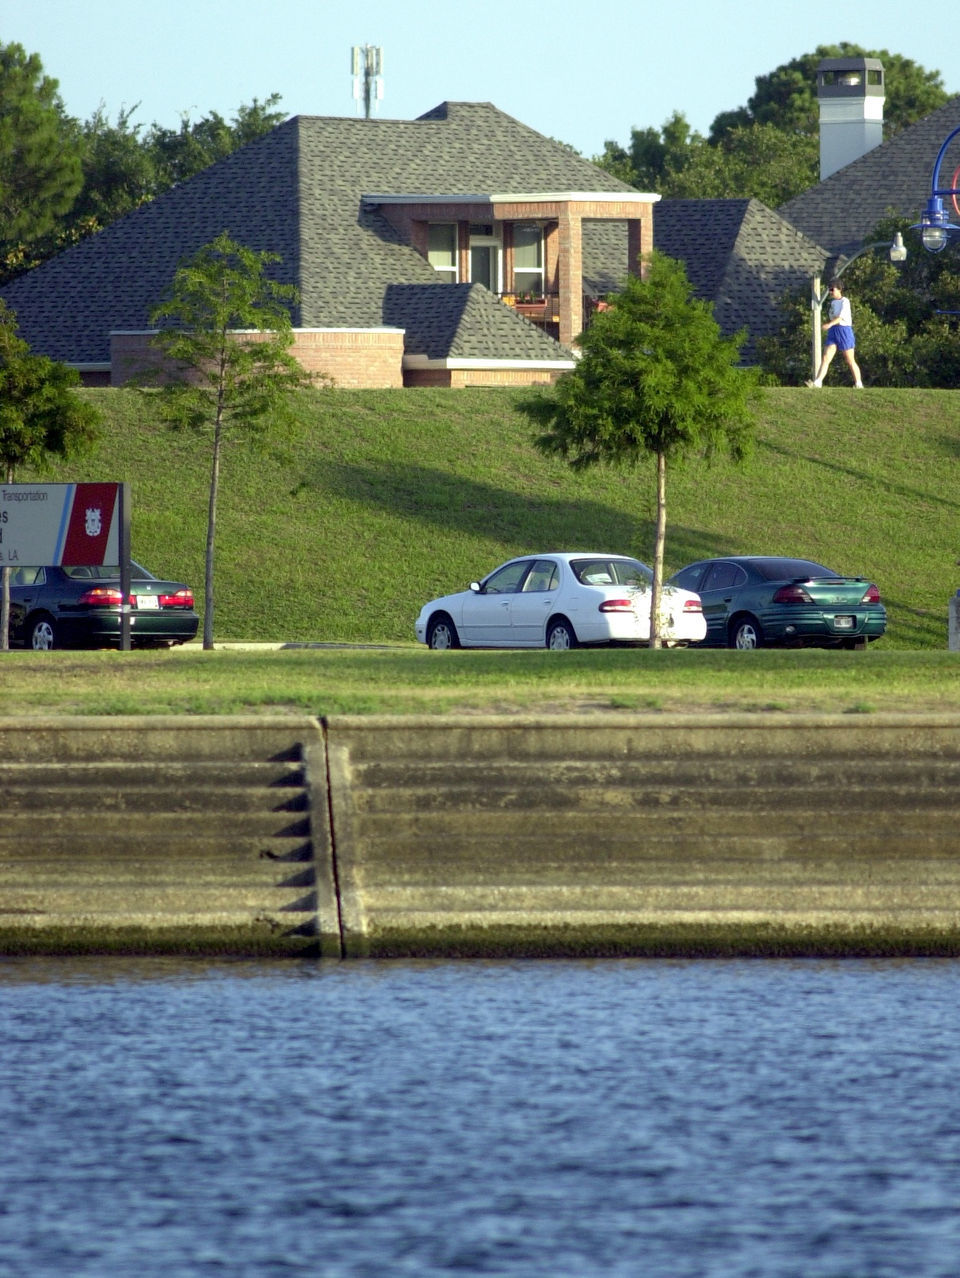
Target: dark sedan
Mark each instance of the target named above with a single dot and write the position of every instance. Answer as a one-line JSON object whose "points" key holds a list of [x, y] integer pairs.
{"points": [[750, 601], [58, 607]]}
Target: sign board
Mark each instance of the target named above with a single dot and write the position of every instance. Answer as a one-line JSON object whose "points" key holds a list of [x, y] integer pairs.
{"points": [[67, 524]]}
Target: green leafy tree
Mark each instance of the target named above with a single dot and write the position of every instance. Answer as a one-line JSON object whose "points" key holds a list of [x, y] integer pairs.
{"points": [[40, 416], [768, 149], [40, 171], [179, 154], [657, 379], [906, 318], [227, 367], [787, 96]]}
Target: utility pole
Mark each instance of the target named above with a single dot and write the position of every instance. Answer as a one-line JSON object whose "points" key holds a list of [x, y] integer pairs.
{"points": [[366, 61]]}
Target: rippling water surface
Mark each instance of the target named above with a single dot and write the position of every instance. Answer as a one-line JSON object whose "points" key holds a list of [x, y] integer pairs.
{"points": [[619, 1118]]}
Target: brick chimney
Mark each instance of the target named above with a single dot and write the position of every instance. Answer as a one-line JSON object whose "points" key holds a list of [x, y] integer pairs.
{"points": [[851, 94]]}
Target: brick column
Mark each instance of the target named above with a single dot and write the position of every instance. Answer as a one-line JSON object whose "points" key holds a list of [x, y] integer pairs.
{"points": [[570, 275]]}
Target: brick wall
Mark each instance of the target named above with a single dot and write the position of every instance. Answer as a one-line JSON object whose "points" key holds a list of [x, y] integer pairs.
{"points": [[370, 358]]}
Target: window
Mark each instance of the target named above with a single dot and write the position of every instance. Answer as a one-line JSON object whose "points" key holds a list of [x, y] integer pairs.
{"points": [[528, 259], [542, 576], [506, 579], [442, 250]]}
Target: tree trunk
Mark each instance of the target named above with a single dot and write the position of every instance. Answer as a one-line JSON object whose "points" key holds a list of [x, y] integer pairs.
{"points": [[5, 593], [657, 590], [211, 535]]}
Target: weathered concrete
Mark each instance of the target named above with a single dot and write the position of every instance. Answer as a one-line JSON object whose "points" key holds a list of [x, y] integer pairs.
{"points": [[481, 835], [168, 834], [647, 834]]}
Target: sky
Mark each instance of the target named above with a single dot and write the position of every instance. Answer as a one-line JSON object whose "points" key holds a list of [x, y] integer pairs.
{"points": [[582, 72]]}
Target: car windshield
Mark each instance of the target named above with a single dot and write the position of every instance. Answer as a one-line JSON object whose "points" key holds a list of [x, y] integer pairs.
{"points": [[786, 569], [610, 572]]}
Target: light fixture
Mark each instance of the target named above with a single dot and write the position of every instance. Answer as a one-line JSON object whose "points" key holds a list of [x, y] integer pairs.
{"points": [[898, 250]]}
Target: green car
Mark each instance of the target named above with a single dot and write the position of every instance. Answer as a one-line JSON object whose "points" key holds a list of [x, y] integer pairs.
{"points": [[750, 601]]}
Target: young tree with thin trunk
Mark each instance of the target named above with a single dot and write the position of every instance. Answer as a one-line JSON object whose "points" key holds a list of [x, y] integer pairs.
{"points": [[227, 366], [40, 416], [658, 380]]}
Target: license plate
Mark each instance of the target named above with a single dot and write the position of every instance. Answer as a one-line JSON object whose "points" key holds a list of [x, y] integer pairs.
{"points": [[844, 623], [148, 602]]}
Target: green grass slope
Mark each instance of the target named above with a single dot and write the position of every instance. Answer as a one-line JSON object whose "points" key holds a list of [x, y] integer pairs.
{"points": [[341, 527]]}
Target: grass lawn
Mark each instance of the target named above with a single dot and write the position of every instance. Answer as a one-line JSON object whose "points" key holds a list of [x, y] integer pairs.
{"points": [[341, 526], [410, 680]]}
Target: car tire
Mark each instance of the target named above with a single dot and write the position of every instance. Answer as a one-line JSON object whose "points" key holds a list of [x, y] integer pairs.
{"points": [[561, 636], [745, 634], [43, 633], [442, 633]]}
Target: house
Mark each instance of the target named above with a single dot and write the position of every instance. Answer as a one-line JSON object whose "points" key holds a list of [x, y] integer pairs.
{"points": [[405, 239]]}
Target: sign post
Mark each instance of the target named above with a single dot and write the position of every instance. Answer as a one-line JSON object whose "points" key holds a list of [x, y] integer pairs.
{"points": [[69, 525]]}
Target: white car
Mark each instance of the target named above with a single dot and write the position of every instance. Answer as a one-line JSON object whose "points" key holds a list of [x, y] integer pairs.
{"points": [[560, 600]]}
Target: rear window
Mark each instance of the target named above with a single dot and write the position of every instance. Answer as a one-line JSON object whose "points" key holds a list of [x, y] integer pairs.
{"points": [[785, 569], [610, 572]]}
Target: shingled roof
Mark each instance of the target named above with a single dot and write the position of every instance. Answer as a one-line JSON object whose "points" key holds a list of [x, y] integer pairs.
{"points": [[298, 192], [741, 256], [894, 178]]}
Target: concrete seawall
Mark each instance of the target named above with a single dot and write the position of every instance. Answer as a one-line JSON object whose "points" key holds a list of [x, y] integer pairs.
{"points": [[481, 835]]}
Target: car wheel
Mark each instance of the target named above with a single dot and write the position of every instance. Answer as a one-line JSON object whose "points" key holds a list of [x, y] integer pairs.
{"points": [[442, 634], [43, 635], [560, 636], [745, 634]]}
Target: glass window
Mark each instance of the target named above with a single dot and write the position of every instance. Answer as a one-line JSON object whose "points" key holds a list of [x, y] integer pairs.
{"points": [[442, 249], [542, 576], [723, 577], [528, 259], [506, 579]]}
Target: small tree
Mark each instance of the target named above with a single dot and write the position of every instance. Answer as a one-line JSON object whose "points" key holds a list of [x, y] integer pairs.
{"points": [[220, 377], [40, 416], [657, 378]]}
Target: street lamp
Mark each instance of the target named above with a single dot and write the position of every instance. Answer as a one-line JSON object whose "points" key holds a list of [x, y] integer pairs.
{"points": [[936, 229], [897, 252]]}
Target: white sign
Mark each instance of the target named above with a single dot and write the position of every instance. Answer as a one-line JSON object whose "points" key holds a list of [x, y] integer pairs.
{"points": [[59, 524]]}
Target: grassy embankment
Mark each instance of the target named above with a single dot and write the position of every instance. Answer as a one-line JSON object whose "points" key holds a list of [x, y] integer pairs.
{"points": [[338, 530]]}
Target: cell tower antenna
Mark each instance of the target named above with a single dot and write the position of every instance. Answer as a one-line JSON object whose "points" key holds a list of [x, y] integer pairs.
{"points": [[366, 64]]}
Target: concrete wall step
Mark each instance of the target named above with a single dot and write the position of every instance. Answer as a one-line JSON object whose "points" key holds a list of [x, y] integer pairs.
{"points": [[149, 799]]}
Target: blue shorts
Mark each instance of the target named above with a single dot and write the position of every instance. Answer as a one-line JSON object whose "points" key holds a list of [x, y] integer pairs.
{"points": [[840, 336]]}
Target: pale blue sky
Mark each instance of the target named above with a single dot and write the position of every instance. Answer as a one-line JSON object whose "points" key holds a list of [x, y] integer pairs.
{"points": [[579, 71]]}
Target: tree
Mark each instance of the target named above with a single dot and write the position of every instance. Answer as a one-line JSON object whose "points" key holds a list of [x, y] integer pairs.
{"points": [[40, 416], [179, 154], [768, 149], [787, 96], [905, 317], [227, 363], [39, 155], [657, 378]]}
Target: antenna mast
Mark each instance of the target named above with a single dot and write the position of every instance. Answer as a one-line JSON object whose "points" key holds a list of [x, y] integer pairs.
{"points": [[366, 62]]}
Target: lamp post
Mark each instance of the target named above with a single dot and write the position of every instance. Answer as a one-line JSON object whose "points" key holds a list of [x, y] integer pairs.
{"points": [[897, 252], [935, 227]]}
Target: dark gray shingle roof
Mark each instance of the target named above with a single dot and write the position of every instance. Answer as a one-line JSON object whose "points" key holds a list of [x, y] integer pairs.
{"points": [[741, 256], [841, 212], [297, 192]]}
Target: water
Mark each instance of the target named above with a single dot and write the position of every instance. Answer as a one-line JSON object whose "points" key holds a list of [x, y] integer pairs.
{"points": [[557, 1119]]}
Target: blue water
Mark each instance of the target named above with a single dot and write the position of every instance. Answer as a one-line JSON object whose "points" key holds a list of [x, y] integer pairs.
{"points": [[617, 1118]]}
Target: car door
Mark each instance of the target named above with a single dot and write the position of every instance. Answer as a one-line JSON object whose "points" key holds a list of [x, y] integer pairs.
{"points": [[485, 621], [717, 594], [25, 587], [532, 604]]}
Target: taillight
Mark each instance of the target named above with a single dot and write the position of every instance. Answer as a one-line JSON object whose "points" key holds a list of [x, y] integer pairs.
{"points": [[693, 605], [181, 599], [102, 597], [872, 595], [792, 594], [617, 605]]}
